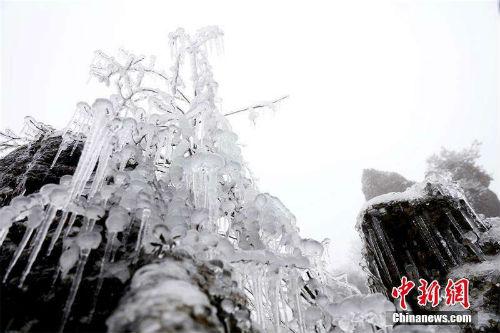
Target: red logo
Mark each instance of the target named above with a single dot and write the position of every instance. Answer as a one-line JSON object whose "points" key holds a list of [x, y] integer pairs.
{"points": [[428, 293], [456, 292], [403, 290]]}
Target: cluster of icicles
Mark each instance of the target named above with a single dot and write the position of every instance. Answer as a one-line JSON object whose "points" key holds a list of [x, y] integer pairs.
{"points": [[167, 163]]}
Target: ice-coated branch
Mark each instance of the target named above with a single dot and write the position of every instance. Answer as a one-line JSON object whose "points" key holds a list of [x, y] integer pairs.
{"points": [[269, 105]]}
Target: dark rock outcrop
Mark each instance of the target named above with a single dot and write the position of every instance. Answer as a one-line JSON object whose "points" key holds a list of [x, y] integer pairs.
{"points": [[27, 169], [375, 183], [37, 307], [421, 234], [430, 231]]}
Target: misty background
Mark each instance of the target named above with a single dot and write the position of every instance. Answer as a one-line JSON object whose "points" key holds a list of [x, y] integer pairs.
{"points": [[380, 84]]}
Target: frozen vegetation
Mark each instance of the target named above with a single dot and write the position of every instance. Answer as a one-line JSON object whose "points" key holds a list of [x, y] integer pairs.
{"points": [[462, 167], [161, 168]]}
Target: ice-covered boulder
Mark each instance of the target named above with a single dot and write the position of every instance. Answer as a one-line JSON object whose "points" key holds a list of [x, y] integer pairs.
{"points": [[178, 294], [430, 231]]}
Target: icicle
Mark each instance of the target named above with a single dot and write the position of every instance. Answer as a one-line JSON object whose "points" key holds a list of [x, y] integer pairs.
{"points": [[457, 249], [34, 219], [75, 145], [477, 251], [276, 301], [40, 237], [202, 178], [115, 223], [7, 216], [126, 234], [87, 241], [385, 245], [68, 259], [114, 251], [57, 233], [427, 236], [3, 235], [98, 138], [101, 170], [74, 288], [378, 254], [259, 298], [92, 214], [412, 270], [100, 280], [62, 147], [140, 235], [445, 246], [82, 177], [70, 224], [453, 222], [470, 238], [91, 224], [298, 307]]}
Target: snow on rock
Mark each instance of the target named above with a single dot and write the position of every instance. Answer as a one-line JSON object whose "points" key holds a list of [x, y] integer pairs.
{"points": [[457, 243], [180, 294]]}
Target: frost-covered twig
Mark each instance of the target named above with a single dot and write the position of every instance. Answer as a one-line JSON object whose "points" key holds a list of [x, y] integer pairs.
{"points": [[257, 106], [31, 132]]}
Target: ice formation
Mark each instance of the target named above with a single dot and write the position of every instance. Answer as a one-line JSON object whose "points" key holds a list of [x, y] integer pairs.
{"points": [[160, 157], [457, 243]]}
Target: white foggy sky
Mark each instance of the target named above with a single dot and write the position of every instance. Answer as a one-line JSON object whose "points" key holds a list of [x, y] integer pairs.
{"points": [[372, 84]]}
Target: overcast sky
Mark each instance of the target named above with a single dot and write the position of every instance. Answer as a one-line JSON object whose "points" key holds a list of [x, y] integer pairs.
{"points": [[373, 84]]}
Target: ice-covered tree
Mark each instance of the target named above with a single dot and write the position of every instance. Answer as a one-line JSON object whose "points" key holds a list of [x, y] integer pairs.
{"points": [[162, 170], [462, 167]]}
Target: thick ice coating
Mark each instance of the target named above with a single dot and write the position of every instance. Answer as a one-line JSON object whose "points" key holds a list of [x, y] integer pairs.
{"points": [[161, 168]]}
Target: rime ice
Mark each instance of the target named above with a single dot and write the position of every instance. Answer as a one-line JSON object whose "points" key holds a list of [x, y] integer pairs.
{"points": [[160, 158]]}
